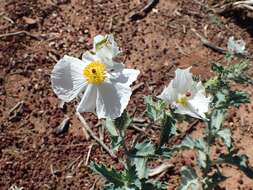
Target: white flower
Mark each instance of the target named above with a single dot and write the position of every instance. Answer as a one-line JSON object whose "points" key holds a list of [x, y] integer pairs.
{"points": [[236, 46], [104, 87], [187, 96]]}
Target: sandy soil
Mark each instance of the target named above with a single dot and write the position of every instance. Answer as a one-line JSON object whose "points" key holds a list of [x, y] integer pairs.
{"points": [[32, 155]]}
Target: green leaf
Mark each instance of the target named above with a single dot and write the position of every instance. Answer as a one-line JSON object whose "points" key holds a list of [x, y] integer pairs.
{"points": [[155, 111], [190, 143], [112, 176], [200, 146], [141, 167], [144, 149], [217, 119], [241, 161], [110, 126], [123, 122], [236, 73], [117, 141], [211, 182], [116, 129], [226, 136], [189, 179], [168, 129], [236, 98], [140, 158], [217, 67]]}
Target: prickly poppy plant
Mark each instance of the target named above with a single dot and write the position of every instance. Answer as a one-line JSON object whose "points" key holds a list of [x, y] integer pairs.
{"points": [[103, 86]]}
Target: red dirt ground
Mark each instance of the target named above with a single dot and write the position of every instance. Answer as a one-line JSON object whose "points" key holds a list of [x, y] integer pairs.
{"points": [[156, 44]]}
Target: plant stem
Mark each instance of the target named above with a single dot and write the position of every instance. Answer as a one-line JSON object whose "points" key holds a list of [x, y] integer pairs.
{"points": [[87, 128]]}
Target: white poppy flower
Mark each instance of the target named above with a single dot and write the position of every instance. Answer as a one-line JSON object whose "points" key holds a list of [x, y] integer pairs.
{"points": [[104, 89], [236, 46], [187, 96]]}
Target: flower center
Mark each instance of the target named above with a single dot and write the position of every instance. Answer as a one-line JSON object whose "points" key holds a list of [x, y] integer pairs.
{"points": [[183, 101], [95, 72]]}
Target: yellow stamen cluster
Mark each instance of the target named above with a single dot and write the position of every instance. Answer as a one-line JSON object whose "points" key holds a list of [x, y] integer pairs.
{"points": [[183, 101], [95, 72]]}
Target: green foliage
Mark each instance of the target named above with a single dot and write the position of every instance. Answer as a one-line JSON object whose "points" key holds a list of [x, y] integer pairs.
{"points": [[215, 129], [141, 153], [168, 125], [189, 179], [239, 160], [223, 98], [135, 175], [119, 179], [125, 180], [116, 129], [155, 110], [226, 98], [200, 146]]}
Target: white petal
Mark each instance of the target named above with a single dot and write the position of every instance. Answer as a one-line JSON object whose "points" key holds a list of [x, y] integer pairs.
{"points": [[188, 110], [126, 76], [88, 102], [200, 103], [96, 40], [109, 48], [183, 80], [112, 99], [88, 57], [197, 87], [169, 94], [67, 79]]}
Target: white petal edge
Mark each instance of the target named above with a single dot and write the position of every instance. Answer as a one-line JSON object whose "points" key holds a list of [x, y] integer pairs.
{"points": [[112, 99], [88, 101], [183, 80], [126, 76], [168, 94], [67, 79]]}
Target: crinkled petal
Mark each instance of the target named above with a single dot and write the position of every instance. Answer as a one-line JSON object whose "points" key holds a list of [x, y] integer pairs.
{"points": [[183, 80], [88, 57], [108, 48], [188, 110], [112, 99], [67, 79], [88, 102], [126, 76], [200, 103], [169, 94], [197, 87]]}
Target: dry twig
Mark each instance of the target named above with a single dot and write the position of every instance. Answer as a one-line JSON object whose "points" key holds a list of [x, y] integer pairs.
{"points": [[88, 155], [87, 128], [207, 43], [19, 33], [160, 169], [144, 11]]}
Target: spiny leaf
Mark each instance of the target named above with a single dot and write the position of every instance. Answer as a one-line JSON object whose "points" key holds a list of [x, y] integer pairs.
{"points": [[190, 143], [168, 129], [123, 122], [241, 161], [217, 119], [226, 136], [144, 149], [154, 110], [112, 176], [189, 179]]}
